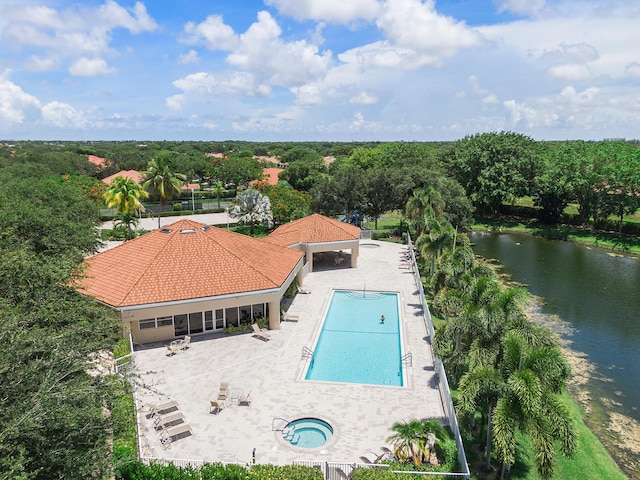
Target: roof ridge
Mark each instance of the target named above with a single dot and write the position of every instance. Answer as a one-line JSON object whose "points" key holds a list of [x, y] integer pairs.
{"points": [[152, 259], [242, 260]]}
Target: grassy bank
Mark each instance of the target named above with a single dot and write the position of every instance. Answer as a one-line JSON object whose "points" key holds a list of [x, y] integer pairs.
{"points": [[606, 240]]}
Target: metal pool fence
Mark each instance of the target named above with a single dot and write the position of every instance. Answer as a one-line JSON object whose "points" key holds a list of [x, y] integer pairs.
{"points": [[445, 393]]}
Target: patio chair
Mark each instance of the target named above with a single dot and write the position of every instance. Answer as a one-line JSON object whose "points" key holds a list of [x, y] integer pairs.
{"points": [[258, 333], [223, 391], [216, 406], [168, 420], [161, 408], [185, 344], [171, 434], [245, 399], [171, 350]]}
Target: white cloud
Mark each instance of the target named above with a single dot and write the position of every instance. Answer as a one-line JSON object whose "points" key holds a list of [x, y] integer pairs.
{"points": [[363, 98], [41, 64], [632, 70], [15, 104], [520, 7], [417, 25], [335, 11], [213, 33], [72, 32], [259, 59], [570, 72], [189, 58], [208, 85], [63, 115], [90, 67]]}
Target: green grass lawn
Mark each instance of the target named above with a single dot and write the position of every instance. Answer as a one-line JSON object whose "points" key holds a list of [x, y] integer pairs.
{"points": [[590, 462]]}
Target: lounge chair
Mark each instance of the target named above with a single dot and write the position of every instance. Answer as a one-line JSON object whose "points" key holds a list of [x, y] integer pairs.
{"points": [[171, 434], [305, 292], [342, 475], [168, 420], [262, 335], [216, 406], [389, 453], [161, 408], [290, 317], [245, 399]]}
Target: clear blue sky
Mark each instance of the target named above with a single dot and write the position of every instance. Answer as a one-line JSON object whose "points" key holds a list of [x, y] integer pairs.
{"points": [[286, 70]]}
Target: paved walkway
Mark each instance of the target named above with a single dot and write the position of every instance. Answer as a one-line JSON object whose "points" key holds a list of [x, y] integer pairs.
{"points": [[360, 414]]}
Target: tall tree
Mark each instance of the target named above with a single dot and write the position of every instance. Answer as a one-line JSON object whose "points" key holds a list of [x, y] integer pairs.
{"points": [[125, 195], [534, 377], [252, 207], [162, 179], [494, 167]]}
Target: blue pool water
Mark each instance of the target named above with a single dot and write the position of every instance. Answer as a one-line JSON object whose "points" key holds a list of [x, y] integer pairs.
{"points": [[354, 346], [307, 433]]}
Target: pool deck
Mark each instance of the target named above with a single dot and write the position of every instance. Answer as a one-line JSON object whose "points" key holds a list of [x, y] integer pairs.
{"points": [[361, 414]]}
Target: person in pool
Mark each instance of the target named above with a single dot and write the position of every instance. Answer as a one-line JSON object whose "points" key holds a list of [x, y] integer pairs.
{"points": [[382, 319]]}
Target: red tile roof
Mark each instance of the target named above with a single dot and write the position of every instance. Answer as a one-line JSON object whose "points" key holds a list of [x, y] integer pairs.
{"points": [[134, 175], [271, 175], [313, 229], [98, 161], [191, 260]]}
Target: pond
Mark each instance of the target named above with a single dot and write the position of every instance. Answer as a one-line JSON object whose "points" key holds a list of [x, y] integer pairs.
{"points": [[592, 299]]}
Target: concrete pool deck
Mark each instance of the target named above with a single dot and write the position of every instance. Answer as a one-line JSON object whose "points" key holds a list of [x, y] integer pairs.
{"points": [[360, 414]]}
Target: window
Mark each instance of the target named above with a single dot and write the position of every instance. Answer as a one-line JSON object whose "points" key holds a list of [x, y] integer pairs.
{"points": [[257, 311], [195, 322], [181, 325], [147, 323], [232, 316], [208, 320], [165, 321]]}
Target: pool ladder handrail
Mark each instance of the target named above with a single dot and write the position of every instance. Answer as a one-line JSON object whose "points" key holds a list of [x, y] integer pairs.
{"points": [[306, 352], [273, 424], [407, 359]]}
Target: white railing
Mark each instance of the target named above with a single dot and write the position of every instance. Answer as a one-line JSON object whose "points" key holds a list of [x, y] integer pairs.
{"points": [[445, 393]]}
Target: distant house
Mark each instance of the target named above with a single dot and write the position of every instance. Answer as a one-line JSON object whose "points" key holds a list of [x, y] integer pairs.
{"points": [[187, 187], [270, 175], [134, 175], [97, 161], [189, 278]]}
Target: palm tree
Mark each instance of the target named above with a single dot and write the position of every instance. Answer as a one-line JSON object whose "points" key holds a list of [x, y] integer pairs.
{"points": [[409, 441], [217, 188], [162, 180], [125, 195], [534, 377], [252, 207], [126, 220]]}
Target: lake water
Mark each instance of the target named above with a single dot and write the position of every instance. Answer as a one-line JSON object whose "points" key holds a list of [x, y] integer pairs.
{"points": [[597, 294]]}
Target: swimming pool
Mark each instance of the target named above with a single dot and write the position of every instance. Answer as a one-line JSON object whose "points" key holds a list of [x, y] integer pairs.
{"points": [[354, 346]]}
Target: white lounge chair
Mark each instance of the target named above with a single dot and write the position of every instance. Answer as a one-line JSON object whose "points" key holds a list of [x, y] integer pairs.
{"points": [[290, 317], [161, 408], [258, 333], [171, 434], [167, 420]]}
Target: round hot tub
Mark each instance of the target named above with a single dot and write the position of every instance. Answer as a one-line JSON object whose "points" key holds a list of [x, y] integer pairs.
{"points": [[307, 433]]}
